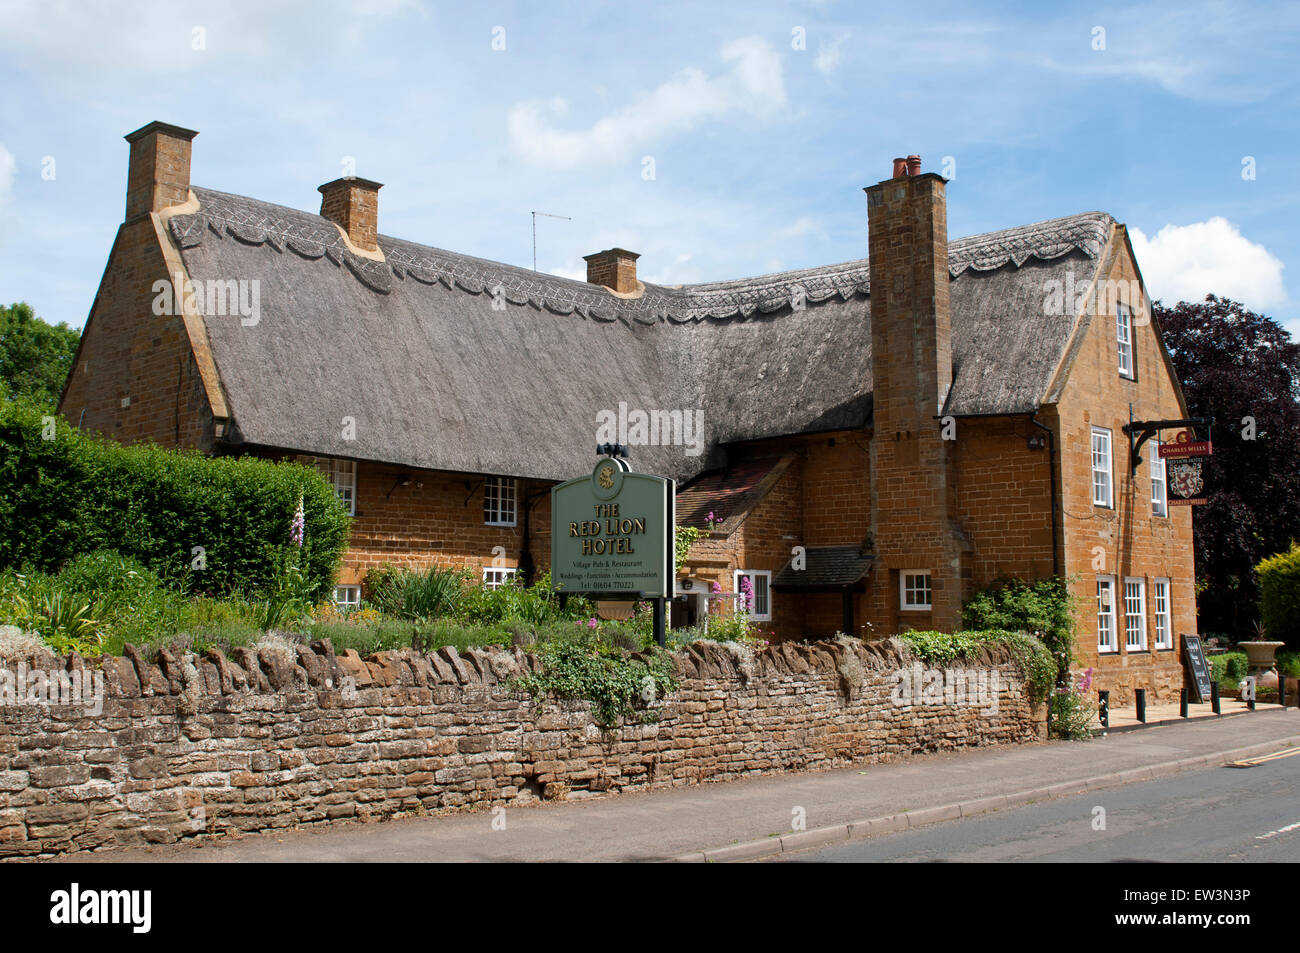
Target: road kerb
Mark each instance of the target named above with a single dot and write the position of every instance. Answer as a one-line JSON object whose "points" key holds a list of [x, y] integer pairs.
{"points": [[870, 827], [892, 823], [933, 815], [820, 837], [751, 850], [983, 805]]}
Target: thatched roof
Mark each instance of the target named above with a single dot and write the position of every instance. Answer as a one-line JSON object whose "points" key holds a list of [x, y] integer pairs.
{"points": [[450, 362]]}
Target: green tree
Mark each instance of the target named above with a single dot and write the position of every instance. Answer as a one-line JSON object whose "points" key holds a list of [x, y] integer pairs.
{"points": [[35, 357], [1243, 369]]}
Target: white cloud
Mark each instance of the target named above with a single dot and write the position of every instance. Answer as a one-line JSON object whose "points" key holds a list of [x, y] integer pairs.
{"points": [[1187, 262], [67, 39], [829, 55], [754, 84], [7, 169], [576, 272]]}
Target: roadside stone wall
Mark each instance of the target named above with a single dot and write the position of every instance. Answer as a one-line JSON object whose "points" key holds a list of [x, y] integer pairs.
{"points": [[187, 746]]}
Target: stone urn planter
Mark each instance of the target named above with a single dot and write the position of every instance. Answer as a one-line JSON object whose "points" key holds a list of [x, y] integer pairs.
{"points": [[1260, 655]]}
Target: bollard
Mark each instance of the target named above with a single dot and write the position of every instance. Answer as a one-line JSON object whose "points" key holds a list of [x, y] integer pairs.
{"points": [[1250, 685], [1103, 708], [1140, 696], [1182, 702], [1281, 690], [1214, 698]]}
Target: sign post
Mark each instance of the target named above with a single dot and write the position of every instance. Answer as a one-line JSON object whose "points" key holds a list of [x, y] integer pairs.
{"points": [[1183, 459], [612, 536], [1199, 668]]}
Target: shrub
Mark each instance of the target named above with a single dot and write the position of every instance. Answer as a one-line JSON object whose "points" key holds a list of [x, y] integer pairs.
{"points": [[1015, 605], [1074, 713], [1227, 669], [1288, 664], [65, 493], [618, 685], [421, 595], [1279, 596], [535, 605]]}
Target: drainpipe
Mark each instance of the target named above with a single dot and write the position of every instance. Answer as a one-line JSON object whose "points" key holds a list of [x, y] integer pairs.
{"points": [[1051, 465]]}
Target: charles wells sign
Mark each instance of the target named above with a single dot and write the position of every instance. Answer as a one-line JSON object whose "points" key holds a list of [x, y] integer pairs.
{"points": [[612, 534], [1184, 471]]}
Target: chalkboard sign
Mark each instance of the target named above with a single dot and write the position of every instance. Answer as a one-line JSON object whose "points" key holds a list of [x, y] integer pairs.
{"points": [[1194, 656]]}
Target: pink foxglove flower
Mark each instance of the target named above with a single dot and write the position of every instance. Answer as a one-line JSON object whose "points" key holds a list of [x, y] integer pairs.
{"points": [[298, 528]]}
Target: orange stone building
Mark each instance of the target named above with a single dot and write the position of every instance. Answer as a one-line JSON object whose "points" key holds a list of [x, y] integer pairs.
{"points": [[865, 446]]}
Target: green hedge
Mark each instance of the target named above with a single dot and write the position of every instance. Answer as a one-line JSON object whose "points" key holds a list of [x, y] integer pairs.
{"points": [[1031, 656], [1279, 596], [1228, 669], [74, 493]]}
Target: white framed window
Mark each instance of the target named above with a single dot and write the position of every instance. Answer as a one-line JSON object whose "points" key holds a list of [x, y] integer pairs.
{"points": [[1135, 615], [1124, 339], [1161, 614], [495, 578], [761, 581], [1106, 614], [347, 597], [1103, 481], [500, 495], [342, 475], [1159, 492], [914, 591]]}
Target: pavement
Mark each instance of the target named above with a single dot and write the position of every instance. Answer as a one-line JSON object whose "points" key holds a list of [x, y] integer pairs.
{"points": [[1163, 714], [761, 816]]}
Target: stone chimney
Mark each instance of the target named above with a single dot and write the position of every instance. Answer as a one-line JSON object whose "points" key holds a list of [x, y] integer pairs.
{"points": [[353, 205], [615, 268], [914, 526], [158, 176]]}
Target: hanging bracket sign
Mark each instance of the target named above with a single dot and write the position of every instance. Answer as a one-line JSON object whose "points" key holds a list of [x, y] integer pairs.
{"points": [[612, 534], [1183, 467]]}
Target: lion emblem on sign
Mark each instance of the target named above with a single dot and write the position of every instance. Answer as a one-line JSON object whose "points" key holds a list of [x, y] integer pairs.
{"points": [[606, 478], [1185, 478]]}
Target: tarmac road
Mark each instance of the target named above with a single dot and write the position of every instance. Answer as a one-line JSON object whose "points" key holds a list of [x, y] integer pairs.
{"points": [[1216, 815]]}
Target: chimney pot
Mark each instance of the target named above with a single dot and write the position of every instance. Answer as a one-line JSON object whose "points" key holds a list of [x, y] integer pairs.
{"points": [[913, 165], [158, 174], [353, 204], [615, 268], [900, 168]]}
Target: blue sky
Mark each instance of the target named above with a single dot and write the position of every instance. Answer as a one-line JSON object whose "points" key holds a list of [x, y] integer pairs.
{"points": [[474, 115]]}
